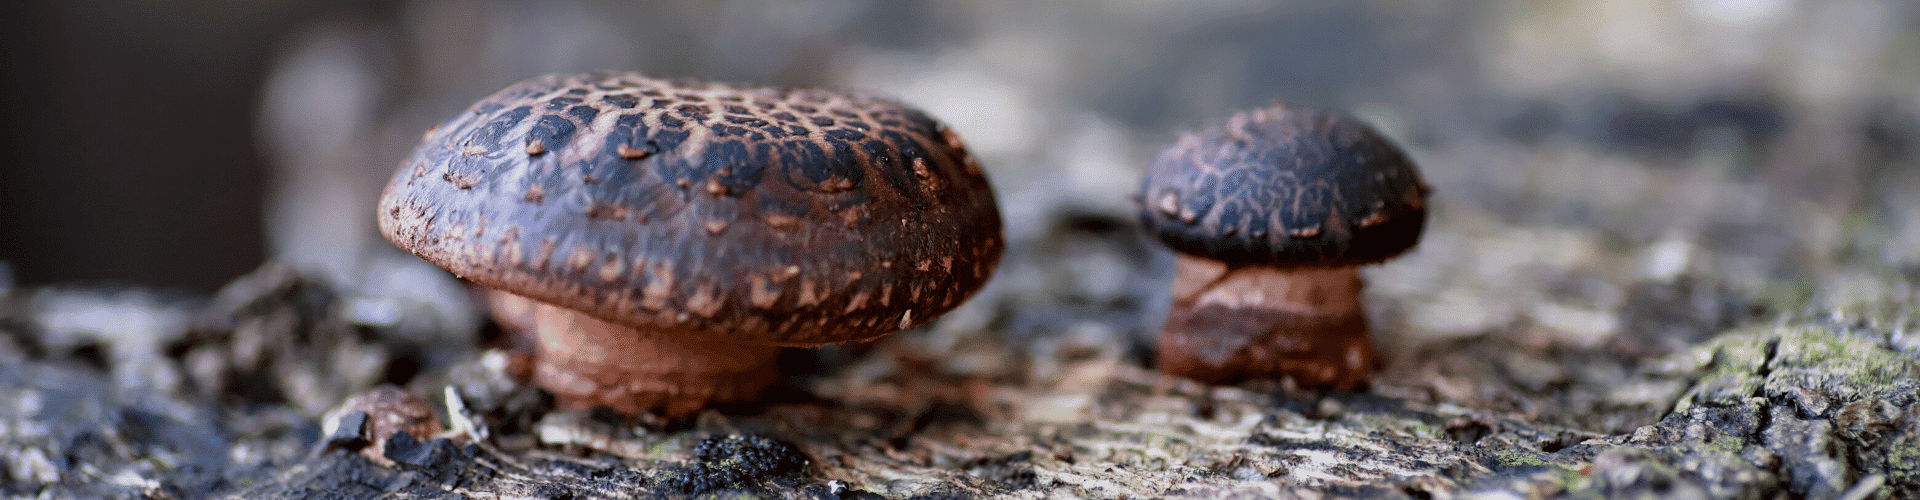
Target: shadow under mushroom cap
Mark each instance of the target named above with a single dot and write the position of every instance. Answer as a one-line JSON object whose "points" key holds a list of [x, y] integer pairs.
{"points": [[748, 215], [1286, 186]]}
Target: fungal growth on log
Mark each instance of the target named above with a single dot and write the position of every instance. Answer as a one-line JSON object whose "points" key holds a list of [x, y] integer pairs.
{"points": [[1271, 213], [665, 238]]}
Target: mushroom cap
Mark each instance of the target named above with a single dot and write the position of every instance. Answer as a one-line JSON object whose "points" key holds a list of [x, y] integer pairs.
{"points": [[747, 215], [1286, 186]]}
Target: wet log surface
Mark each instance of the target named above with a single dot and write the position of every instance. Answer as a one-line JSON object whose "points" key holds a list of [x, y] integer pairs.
{"points": [[1697, 394]]}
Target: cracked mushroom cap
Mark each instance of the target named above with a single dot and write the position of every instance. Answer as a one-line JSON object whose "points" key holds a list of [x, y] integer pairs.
{"points": [[1288, 186], [762, 216]]}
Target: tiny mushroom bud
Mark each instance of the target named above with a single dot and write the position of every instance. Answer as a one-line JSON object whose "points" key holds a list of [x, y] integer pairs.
{"points": [[1271, 213], [664, 239], [366, 421]]}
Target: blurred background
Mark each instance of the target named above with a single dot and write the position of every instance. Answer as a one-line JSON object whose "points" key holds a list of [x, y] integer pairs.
{"points": [[1614, 182], [1766, 144]]}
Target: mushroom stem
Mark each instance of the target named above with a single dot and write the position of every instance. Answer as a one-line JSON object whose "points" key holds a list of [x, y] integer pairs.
{"points": [[586, 362], [1230, 323]]}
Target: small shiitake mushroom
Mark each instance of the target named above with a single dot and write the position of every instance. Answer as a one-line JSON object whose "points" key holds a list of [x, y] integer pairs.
{"points": [[1272, 212], [664, 239]]}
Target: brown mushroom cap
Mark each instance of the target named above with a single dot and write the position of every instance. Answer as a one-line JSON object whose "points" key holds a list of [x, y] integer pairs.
{"points": [[745, 215], [1289, 186]]}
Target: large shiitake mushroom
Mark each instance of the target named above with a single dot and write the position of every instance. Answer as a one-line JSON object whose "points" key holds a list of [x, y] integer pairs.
{"points": [[664, 239]]}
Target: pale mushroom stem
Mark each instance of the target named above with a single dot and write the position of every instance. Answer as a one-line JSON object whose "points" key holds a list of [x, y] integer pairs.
{"points": [[586, 362], [1248, 322]]}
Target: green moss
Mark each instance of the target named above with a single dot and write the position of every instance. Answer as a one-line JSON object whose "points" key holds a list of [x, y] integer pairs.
{"points": [[1730, 367], [1520, 460], [1565, 477], [1802, 355], [1526, 459], [1743, 353], [665, 449], [1853, 359], [1726, 443], [1903, 461]]}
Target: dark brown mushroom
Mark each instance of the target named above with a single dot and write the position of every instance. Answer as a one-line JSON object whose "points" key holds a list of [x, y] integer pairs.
{"points": [[668, 237], [1272, 212]]}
